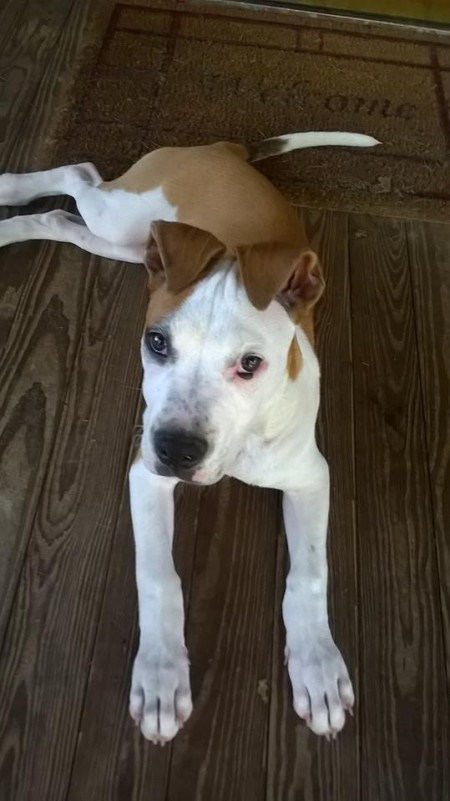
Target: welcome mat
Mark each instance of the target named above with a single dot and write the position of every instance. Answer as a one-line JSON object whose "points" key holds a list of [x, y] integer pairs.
{"points": [[179, 74]]}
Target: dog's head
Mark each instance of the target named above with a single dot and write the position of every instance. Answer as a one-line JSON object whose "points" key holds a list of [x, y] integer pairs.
{"points": [[219, 344]]}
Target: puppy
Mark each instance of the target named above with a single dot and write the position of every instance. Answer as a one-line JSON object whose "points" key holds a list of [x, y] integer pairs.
{"points": [[230, 381]]}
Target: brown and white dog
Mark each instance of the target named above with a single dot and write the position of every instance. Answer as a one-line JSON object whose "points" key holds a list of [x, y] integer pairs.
{"points": [[231, 384]]}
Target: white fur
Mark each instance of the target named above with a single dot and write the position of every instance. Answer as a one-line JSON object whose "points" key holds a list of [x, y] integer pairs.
{"points": [[115, 223], [261, 431], [123, 217], [228, 411], [160, 696], [306, 139]]}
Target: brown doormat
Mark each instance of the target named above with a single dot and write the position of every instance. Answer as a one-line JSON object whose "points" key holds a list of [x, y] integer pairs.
{"points": [[175, 73]]}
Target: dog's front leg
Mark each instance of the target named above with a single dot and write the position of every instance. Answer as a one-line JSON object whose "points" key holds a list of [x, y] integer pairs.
{"points": [[160, 698], [321, 686]]}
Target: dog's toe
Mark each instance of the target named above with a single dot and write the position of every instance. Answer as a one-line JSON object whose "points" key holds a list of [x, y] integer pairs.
{"points": [[322, 690], [160, 697]]}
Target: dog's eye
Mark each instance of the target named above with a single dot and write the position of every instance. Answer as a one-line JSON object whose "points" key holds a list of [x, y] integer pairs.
{"points": [[157, 342], [249, 365]]}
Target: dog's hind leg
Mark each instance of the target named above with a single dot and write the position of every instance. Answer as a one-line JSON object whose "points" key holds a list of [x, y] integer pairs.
{"points": [[17, 190], [61, 226]]}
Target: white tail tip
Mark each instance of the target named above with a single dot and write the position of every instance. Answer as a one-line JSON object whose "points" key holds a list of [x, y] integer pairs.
{"points": [[298, 141]]}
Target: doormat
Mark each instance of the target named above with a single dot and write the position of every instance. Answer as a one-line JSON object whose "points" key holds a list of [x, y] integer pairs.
{"points": [[173, 73]]}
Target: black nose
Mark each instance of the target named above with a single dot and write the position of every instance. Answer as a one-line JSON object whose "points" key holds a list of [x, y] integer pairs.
{"points": [[179, 450]]}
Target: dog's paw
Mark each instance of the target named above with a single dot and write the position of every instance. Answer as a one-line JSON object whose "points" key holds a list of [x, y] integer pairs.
{"points": [[160, 697], [321, 685]]}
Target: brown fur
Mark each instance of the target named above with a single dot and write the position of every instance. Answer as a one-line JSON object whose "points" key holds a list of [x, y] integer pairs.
{"points": [[215, 189], [177, 255], [276, 268], [162, 302], [294, 360], [182, 252]]}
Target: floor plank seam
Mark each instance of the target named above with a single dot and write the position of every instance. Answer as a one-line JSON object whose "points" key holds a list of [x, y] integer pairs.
{"points": [[357, 555], [427, 450]]}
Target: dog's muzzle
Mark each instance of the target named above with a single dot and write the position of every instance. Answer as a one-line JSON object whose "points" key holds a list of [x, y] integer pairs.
{"points": [[178, 452]]}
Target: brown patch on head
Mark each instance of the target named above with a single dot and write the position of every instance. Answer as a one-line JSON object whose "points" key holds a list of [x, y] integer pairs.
{"points": [[162, 303], [177, 256], [294, 359]]}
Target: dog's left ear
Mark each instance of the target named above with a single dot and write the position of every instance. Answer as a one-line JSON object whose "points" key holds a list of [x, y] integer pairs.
{"points": [[180, 253], [271, 270]]}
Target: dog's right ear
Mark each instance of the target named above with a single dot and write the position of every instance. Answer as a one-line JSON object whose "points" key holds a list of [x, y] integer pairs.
{"points": [[280, 270], [179, 253]]}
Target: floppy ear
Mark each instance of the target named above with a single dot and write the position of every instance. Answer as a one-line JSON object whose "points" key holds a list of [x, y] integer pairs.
{"points": [[277, 269], [180, 253]]}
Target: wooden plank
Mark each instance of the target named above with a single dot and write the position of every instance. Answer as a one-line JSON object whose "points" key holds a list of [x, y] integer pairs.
{"points": [[301, 766], [221, 753], [429, 253], [18, 264], [36, 364], [29, 32], [39, 282], [51, 633], [39, 290], [402, 678], [36, 59]]}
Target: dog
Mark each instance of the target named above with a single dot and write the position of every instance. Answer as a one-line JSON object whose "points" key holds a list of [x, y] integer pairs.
{"points": [[230, 382]]}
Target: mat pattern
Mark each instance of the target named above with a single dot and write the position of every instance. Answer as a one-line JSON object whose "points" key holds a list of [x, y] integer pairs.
{"points": [[174, 73]]}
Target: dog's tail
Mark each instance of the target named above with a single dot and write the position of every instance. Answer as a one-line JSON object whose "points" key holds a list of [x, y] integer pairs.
{"points": [[296, 141]]}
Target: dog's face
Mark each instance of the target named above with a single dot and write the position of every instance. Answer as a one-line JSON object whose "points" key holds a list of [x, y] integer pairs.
{"points": [[213, 362]]}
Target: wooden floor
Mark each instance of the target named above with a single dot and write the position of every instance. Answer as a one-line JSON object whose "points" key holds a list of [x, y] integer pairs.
{"points": [[69, 388]]}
